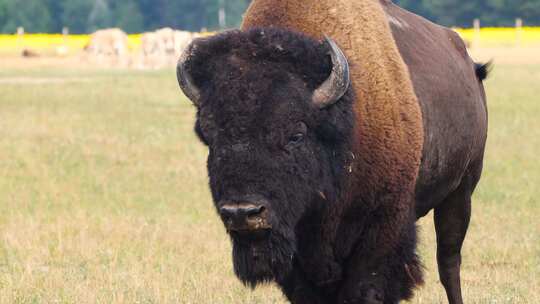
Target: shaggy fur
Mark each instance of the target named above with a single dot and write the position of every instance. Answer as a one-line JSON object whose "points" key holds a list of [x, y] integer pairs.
{"points": [[388, 135], [449, 88], [256, 95], [257, 86], [343, 186]]}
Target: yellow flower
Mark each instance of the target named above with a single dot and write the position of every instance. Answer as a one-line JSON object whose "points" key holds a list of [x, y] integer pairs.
{"points": [[45, 43]]}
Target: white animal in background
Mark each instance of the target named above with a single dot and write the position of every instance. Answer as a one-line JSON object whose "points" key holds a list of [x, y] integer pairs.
{"points": [[163, 47], [110, 42], [109, 45], [181, 41]]}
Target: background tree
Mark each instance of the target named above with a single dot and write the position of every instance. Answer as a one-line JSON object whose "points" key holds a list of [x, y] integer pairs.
{"points": [[187, 15], [33, 15], [83, 16], [127, 16], [75, 15], [3, 14]]}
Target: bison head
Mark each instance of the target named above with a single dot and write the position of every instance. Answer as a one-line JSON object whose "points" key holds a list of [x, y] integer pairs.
{"points": [[274, 109]]}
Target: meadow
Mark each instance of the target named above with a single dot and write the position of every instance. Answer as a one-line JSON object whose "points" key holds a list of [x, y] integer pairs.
{"points": [[104, 199]]}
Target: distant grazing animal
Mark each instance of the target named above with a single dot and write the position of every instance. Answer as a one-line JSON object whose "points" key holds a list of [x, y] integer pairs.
{"points": [[108, 43], [29, 53], [166, 37], [162, 47], [150, 44], [332, 126], [181, 41]]}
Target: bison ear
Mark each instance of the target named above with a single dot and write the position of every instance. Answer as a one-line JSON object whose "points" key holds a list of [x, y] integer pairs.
{"points": [[185, 79], [338, 82]]}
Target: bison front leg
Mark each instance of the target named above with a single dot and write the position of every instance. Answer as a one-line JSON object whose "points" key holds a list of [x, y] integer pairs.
{"points": [[323, 269], [300, 291], [373, 226], [385, 279], [366, 283]]}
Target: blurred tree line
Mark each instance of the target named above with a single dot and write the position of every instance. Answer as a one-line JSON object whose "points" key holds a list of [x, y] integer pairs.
{"points": [[462, 13], [83, 16], [133, 16]]}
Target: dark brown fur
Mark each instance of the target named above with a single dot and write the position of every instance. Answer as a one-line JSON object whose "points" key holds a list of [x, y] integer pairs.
{"points": [[388, 135], [450, 91], [343, 203], [257, 86]]}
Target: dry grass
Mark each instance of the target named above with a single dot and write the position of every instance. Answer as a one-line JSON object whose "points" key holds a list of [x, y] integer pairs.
{"points": [[103, 195]]}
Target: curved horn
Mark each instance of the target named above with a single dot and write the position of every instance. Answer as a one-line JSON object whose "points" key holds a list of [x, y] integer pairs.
{"points": [[338, 82], [184, 78]]}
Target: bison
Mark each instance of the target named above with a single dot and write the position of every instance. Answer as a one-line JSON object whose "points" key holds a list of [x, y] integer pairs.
{"points": [[161, 48], [332, 126], [108, 42]]}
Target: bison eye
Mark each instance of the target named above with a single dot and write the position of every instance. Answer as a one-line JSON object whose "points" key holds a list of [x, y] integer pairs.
{"points": [[296, 138]]}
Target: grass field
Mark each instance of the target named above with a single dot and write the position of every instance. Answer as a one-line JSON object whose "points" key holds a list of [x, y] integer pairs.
{"points": [[103, 195]]}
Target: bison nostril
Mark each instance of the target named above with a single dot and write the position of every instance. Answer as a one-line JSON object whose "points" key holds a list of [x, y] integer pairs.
{"points": [[254, 210], [240, 211], [244, 216], [228, 212]]}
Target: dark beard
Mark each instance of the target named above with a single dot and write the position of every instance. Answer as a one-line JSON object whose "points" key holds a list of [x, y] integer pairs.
{"points": [[263, 260]]}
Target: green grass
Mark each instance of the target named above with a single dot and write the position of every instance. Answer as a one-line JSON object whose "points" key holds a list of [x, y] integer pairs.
{"points": [[104, 199]]}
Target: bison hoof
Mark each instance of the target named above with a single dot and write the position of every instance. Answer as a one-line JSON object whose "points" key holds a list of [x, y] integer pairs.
{"points": [[330, 275], [364, 294], [373, 297]]}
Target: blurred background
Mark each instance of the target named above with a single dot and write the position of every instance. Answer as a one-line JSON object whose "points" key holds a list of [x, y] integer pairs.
{"points": [[136, 16], [103, 186], [152, 33]]}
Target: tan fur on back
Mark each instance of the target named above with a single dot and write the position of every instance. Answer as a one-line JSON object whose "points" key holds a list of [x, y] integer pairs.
{"points": [[389, 120]]}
